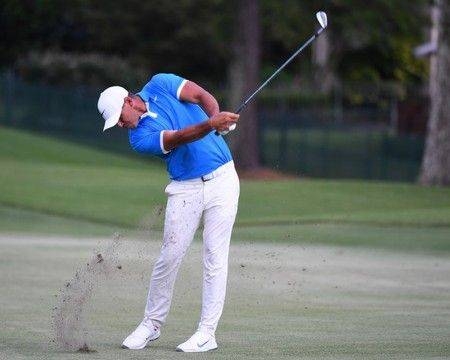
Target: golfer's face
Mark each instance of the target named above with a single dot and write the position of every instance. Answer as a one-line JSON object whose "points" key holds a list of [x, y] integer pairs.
{"points": [[129, 117]]}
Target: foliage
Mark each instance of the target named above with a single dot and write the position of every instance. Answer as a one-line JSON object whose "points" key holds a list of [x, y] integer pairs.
{"points": [[91, 69], [374, 41], [371, 42]]}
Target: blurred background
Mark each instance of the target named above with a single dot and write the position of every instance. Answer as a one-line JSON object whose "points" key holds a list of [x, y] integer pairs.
{"points": [[338, 251], [354, 105]]}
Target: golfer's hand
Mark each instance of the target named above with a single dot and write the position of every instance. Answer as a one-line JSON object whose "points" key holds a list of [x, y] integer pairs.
{"points": [[222, 121]]}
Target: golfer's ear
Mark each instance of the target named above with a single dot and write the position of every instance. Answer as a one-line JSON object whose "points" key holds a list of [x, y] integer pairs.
{"points": [[128, 100]]}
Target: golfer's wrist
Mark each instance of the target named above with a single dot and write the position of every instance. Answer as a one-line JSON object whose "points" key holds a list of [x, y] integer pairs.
{"points": [[210, 124]]}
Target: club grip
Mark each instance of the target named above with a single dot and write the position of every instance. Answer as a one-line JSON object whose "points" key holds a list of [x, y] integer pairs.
{"points": [[232, 126]]}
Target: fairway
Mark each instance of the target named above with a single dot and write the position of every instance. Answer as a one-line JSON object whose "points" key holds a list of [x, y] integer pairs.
{"points": [[318, 269], [284, 301]]}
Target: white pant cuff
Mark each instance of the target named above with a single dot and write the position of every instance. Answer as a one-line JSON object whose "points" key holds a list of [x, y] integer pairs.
{"points": [[206, 330]]}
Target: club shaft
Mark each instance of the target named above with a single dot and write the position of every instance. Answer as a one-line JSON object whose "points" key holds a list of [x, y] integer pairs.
{"points": [[309, 41]]}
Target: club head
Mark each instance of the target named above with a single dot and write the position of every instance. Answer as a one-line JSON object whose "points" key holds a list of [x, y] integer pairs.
{"points": [[322, 19]]}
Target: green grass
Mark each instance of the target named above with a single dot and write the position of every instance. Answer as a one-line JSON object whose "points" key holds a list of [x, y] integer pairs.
{"points": [[405, 238], [284, 302], [423, 239], [16, 220], [52, 186], [344, 201], [22, 146], [59, 178], [318, 269]]}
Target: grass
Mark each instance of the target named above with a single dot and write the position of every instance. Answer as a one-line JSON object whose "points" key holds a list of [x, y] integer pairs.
{"points": [[16, 220], [284, 301], [318, 268], [55, 177], [57, 187], [59, 178]]}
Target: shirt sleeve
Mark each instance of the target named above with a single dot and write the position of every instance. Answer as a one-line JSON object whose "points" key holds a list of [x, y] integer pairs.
{"points": [[148, 139], [169, 83]]}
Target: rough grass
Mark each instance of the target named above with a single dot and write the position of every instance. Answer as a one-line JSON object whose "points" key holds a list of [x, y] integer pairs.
{"points": [[58, 178]]}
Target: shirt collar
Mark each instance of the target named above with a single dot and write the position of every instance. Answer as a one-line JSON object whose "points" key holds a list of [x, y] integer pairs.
{"points": [[149, 113]]}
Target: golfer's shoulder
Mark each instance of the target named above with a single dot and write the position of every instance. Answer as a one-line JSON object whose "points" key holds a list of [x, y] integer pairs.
{"points": [[165, 83], [163, 78]]}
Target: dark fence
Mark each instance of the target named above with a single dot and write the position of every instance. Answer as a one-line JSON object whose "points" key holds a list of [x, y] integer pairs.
{"points": [[331, 140], [68, 113], [311, 142]]}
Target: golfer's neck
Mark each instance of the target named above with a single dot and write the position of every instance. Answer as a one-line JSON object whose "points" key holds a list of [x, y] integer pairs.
{"points": [[140, 105]]}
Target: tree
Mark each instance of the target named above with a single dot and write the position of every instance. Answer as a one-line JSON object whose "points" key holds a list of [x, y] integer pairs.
{"points": [[323, 75], [369, 43], [436, 159], [243, 79]]}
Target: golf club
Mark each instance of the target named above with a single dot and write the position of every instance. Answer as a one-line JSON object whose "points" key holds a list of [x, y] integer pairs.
{"points": [[323, 21]]}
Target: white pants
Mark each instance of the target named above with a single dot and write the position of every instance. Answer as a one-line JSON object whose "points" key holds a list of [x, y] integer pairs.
{"points": [[217, 200]]}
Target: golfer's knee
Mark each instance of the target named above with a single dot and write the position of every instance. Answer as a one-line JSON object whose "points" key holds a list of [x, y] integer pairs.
{"points": [[215, 265], [170, 258]]}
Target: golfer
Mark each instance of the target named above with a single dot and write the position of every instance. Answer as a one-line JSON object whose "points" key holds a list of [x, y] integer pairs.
{"points": [[176, 120]]}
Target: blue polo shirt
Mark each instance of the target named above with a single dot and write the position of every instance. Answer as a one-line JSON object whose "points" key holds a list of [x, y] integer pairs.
{"points": [[166, 112]]}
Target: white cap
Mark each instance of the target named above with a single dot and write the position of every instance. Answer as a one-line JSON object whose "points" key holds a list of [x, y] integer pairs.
{"points": [[110, 105]]}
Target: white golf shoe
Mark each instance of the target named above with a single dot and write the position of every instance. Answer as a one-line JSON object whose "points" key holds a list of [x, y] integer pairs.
{"points": [[199, 342], [140, 337]]}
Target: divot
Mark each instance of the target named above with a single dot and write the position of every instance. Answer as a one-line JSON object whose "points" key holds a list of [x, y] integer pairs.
{"points": [[69, 323]]}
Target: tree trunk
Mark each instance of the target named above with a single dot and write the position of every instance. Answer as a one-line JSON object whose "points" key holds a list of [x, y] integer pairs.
{"points": [[323, 74], [243, 80], [436, 160]]}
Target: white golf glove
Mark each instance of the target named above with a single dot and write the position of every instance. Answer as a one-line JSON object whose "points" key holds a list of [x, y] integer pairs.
{"points": [[231, 128]]}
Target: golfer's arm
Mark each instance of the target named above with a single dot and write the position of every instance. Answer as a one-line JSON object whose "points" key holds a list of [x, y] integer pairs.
{"points": [[219, 122], [193, 93], [174, 138]]}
